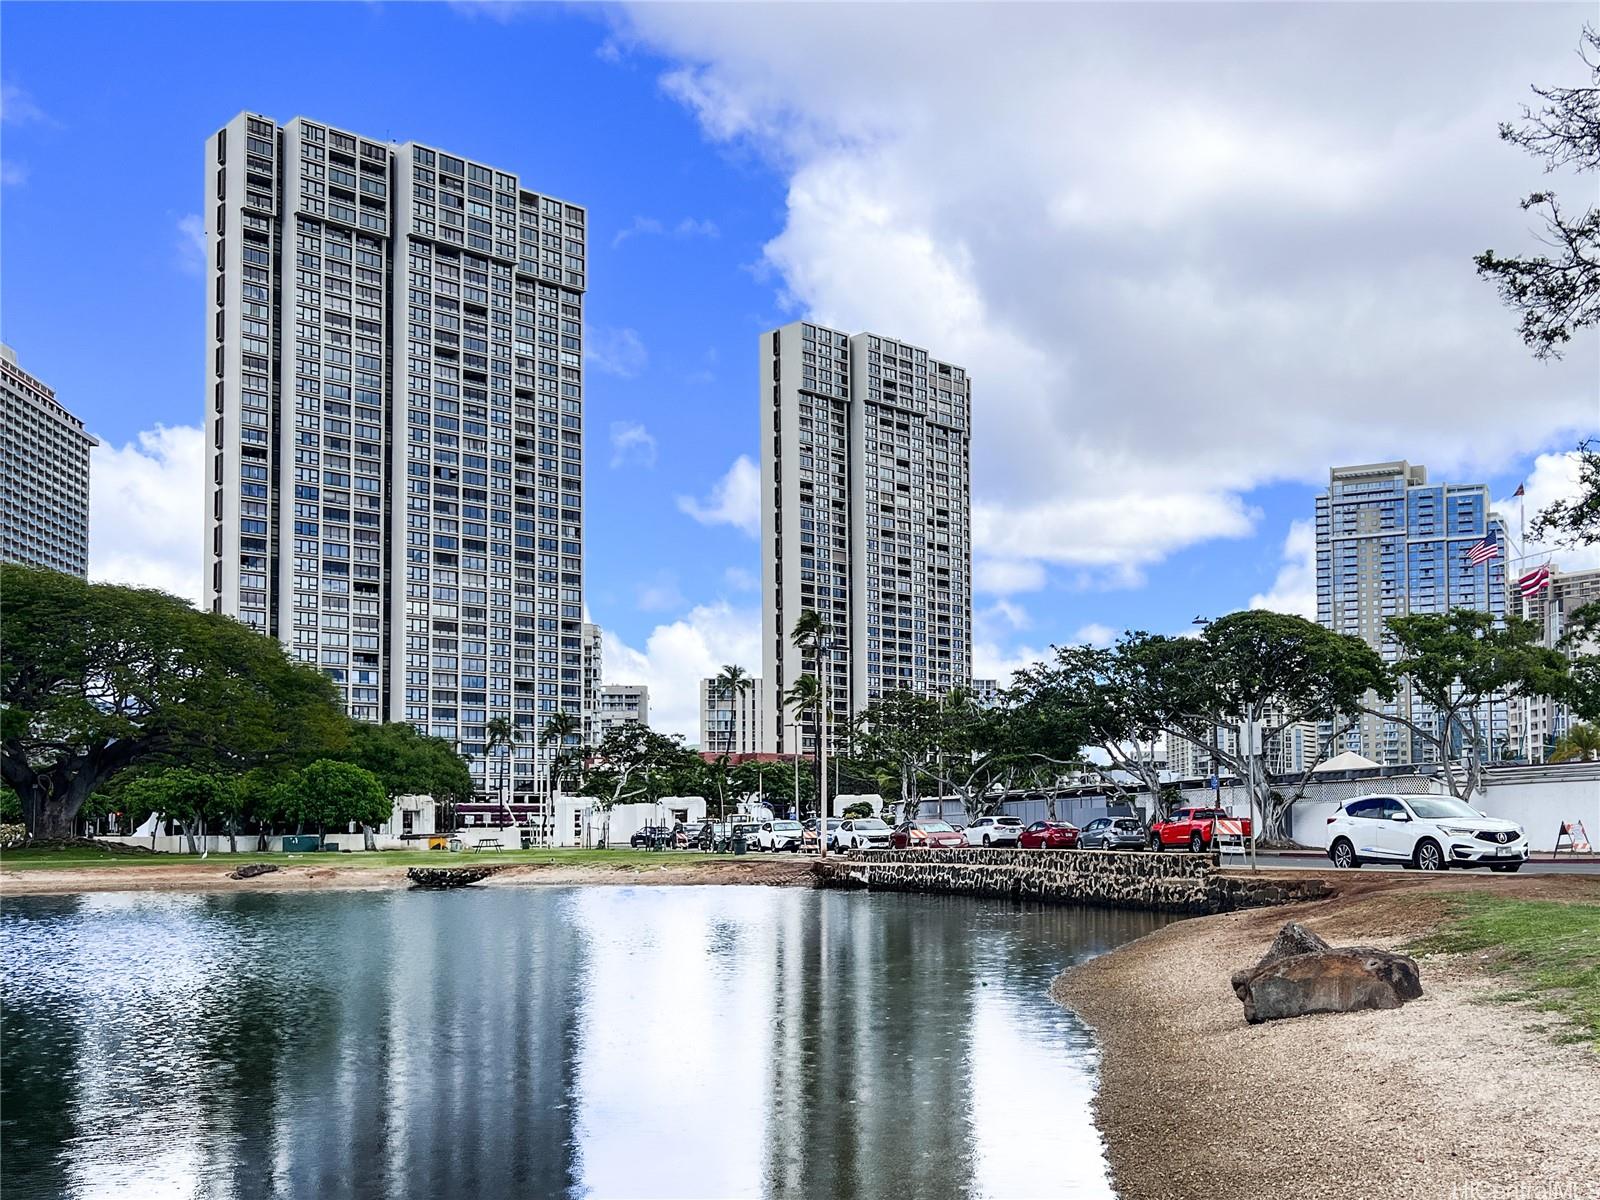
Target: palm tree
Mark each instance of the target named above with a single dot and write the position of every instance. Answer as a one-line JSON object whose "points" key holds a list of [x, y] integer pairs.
{"points": [[731, 682], [559, 729], [502, 735], [1581, 744], [806, 697]]}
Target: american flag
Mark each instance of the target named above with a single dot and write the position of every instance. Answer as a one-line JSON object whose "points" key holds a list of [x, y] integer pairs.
{"points": [[1484, 551], [1534, 582]]}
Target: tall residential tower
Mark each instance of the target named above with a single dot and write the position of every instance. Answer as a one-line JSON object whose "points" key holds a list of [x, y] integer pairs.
{"points": [[394, 412], [866, 518], [44, 475], [1390, 543]]}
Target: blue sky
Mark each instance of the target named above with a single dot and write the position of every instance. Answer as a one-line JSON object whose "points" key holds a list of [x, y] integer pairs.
{"points": [[1164, 310]]}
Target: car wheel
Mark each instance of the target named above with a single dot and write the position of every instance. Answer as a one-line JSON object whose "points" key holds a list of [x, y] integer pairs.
{"points": [[1427, 856], [986, 840], [1506, 868], [1155, 843], [1343, 854], [1196, 843]]}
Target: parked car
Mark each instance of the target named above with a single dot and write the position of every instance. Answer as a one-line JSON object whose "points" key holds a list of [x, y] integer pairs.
{"points": [[862, 833], [686, 837], [993, 831], [925, 835], [650, 835], [1429, 833], [778, 835], [1192, 828], [750, 831], [1049, 835], [1113, 833], [713, 835], [808, 835]]}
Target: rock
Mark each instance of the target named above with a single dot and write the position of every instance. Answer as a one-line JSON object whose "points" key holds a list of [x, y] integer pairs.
{"points": [[252, 870], [1350, 979], [1294, 938], [442, 878]]}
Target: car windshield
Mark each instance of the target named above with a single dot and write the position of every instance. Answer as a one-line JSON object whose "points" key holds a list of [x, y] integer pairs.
{"points": [[1127, 823], [1008, 821], [870, 823], [786, 826], [935, 827], [1435, 808]]}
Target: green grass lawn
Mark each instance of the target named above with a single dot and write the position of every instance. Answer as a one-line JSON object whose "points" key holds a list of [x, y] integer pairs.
{"points": [[44, 860], [1549, 949]]}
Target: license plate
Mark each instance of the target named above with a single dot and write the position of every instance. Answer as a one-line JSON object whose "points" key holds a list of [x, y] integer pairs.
{"points": [[1502, 852]]}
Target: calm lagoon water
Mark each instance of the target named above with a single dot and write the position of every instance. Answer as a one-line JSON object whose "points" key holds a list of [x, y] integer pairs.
{"points": [[528, 1042]]}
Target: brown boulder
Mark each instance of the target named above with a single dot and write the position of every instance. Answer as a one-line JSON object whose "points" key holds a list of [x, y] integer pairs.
{"points": [[1294, 938], [1350, 979]]}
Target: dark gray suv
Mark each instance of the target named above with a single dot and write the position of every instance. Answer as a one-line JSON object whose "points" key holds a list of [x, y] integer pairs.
{"points": [[1113, 833]]}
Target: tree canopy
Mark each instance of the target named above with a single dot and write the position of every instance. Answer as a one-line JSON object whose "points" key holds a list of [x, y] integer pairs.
{"points": [[96, 678]]}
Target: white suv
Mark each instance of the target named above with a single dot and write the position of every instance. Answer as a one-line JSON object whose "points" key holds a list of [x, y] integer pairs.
{"points": [[994, 831], [1429, 833]]}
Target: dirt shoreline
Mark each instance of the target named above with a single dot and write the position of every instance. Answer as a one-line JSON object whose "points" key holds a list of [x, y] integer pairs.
{"points": [[1447, 1097], [213, 877]]}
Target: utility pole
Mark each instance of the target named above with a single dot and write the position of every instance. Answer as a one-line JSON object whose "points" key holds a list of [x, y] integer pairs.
{"points": [[824, 654]]}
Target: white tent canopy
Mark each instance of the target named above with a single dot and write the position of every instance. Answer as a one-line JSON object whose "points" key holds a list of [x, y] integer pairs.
{"points": [[1349, 760]]}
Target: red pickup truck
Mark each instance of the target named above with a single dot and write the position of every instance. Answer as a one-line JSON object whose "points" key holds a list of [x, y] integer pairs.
{"points": [[1193, 827]]}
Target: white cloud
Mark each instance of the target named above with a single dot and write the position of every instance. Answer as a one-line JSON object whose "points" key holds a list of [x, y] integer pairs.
{"points": [[17, 107], [1554, 477], [1004, 577], [1294, 591], [632, 443], [1094, 634], [678, 655], [659, 593], [1231, 248], [618, 352], [688, 227], [735, 499], [991, 661], [12, 173], [192, 244], [741, 580], [145, 511]]}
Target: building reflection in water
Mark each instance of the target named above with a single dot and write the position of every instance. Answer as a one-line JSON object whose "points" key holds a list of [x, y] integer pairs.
{"points": [[545, 1042]]}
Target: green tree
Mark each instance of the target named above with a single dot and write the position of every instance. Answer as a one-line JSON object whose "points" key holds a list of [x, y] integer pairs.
{"points": [[898, 734], [859, 809], [189, 796], [1557, 293], [1581, 743], [329, 792], [621, 767], [96, 678], [1455, 662], [1262, 671], [408, 763]]}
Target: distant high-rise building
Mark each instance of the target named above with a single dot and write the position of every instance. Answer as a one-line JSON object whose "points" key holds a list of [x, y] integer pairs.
{"points": [[1390, 543], [732, 723], [1537, 723], [44, 475], [619, 704], [866, 519], [394, 411], [593, 672], [986, 692]]}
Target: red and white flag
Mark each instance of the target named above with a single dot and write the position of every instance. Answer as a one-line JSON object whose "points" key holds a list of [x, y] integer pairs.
{"points": [[1483, 551], [1534, 582]]}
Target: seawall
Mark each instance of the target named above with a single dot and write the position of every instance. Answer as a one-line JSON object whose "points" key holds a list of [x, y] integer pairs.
{"points": [[1177, 883]]}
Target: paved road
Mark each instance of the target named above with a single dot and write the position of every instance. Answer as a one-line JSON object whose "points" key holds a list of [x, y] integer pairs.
{"points": [[1535, 867]]}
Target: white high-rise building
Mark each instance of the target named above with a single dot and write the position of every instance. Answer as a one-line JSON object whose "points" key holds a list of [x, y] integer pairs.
{"points": [[394, 411], [593, 672], [44, 475], [732, 723], [619, 704], [866, 518], [1538, 722]]}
